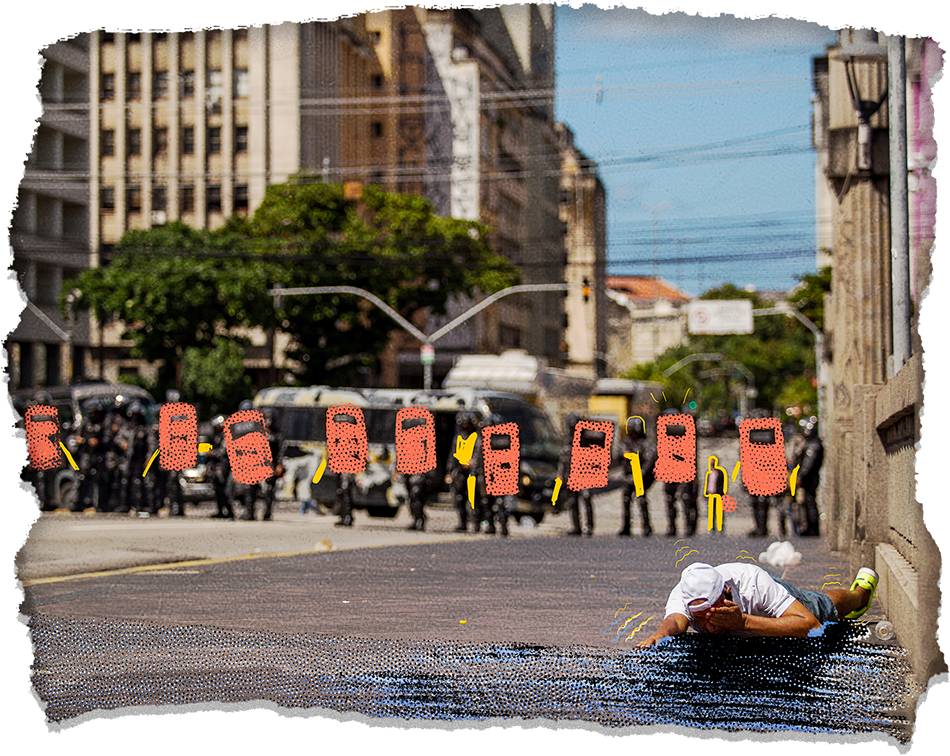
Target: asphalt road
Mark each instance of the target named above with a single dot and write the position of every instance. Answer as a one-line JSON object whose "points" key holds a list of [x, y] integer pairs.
{"points": [[386, 622]]}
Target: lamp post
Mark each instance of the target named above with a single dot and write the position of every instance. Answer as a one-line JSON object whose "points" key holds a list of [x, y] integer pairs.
{"points": [[864, 48]]}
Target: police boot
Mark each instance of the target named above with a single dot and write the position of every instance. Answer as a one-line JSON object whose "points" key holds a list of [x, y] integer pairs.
{"points": [[625, 530], [488, 516], [589, 512], [760, 513], [645, 517], [575, 518]]}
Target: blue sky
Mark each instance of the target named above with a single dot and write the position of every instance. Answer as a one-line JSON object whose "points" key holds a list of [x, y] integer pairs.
{"points": [[670, 106]]}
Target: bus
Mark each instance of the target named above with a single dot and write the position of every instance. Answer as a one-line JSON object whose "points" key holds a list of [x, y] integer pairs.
{"points": [[380, 490]]}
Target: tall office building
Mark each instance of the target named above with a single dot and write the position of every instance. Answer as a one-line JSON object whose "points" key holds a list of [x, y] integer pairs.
{"points": [[50, 230]]}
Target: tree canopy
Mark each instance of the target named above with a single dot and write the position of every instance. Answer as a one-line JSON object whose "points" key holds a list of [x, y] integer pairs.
{"points": [[180, 292], [779, 354]]}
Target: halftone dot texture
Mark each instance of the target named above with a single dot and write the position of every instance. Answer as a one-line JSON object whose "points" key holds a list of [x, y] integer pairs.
{"points": [[590, 463], [248, 450], [415, 440], [347, 444], [835, 683], [501, 465], [178, 436], [675, 448], [764, 469], [42, 426]]}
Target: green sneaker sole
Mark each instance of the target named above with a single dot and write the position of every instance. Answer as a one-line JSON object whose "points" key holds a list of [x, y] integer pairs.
{"points": [[867, 579]]}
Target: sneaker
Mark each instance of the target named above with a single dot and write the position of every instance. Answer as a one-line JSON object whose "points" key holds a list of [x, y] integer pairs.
{"points": [[867, 579]]}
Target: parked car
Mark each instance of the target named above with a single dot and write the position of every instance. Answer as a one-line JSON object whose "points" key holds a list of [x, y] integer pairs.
{"points": [[196, 485]]}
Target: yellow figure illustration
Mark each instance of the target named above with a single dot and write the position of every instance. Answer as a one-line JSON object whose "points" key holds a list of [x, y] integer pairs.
{"points": [[717, 483], [471, 489], [464, 448], [635, 470], [557, 490]]}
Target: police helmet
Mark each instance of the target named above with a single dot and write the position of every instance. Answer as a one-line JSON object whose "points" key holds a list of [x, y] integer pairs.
{"points": [[465, 419], [247, 404], [635, 428], [270, 416], [136, 410], [217, 422]]}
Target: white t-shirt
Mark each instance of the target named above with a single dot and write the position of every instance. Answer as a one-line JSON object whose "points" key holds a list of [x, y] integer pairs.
{"points": [[753, 589]]}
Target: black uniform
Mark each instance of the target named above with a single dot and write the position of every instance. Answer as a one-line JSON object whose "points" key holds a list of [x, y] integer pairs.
{"points": [[275, 439], [89, 456], [636, 441], [465, 426], [133, 444], [809, 476], [491, 509], [574, 498], [219, 471]]}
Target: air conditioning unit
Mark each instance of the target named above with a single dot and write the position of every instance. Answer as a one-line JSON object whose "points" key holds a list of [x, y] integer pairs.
{"points": [[158, 217]]}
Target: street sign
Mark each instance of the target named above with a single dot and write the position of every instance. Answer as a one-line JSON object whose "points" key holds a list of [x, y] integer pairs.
{"points": [[705, 316], [427, 354]]}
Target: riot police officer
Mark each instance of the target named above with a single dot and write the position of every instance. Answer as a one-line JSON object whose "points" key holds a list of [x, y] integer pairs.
{"points": [[275, 439], [111, 496], [635, 441], [134, 446], [459, 472], [219, 470], [491, 508], [90, 458], [688, 493], [574, 498], [809, 476]]}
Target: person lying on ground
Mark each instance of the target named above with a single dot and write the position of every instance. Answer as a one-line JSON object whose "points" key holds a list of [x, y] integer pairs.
{"points": [[744, 601]]}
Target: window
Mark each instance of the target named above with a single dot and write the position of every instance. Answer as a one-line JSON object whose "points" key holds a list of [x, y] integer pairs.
{"points": [[187, 199], [107, 198], [159, 85], [376, 129], [133, 198], [377, 37], [188, 140], [376, 81], [187, 85], [107, 86], [160, 141], [242, 83], [106, 37], [214, 140], [135, 37], [160, 36], [240, 198], [240, 138], [214, 86], [135, 141], [159, 202], [213, 198], [107, 143], [133, 85]]}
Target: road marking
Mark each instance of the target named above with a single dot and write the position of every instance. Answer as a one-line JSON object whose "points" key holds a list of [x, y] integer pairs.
{"points": [[162, 567]]}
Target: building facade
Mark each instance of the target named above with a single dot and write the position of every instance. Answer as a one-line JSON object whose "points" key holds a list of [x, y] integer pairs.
{"points": [[453, 105], [874, 391], [50, 229], [646, 316], [584, 224]]}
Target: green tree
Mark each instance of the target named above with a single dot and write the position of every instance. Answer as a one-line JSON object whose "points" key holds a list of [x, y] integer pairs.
{"points": [[179, 290], [214, 379], [391, 245], [173, 288]]}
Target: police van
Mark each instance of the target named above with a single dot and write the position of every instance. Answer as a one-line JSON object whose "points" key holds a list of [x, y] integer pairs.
{"points": [[380, 489]]}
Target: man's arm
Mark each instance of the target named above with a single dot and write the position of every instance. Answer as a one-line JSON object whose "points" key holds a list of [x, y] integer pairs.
{"points": [[795, 621], [675, 624]]}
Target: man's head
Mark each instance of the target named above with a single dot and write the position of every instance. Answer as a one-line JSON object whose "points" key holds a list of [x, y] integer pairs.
{"points": [[703, 588]]}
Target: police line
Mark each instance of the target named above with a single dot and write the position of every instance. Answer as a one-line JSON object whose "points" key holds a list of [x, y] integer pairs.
{"points": [[761, 446]]}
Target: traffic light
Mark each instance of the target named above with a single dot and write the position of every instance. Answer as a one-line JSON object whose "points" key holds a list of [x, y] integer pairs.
{"points": [[586, 291]]}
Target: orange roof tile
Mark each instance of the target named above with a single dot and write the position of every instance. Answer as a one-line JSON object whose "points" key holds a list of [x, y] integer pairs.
{"points": [[646, 288]]}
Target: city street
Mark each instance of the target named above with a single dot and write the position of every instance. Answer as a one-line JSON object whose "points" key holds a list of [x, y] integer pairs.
{"points": [[381, 621]]}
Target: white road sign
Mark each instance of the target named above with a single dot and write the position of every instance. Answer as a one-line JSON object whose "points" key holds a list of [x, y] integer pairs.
{"points": [[719, 316]]}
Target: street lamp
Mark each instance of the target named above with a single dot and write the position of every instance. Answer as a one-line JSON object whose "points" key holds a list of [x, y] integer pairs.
{"points": [[864, 48]]}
